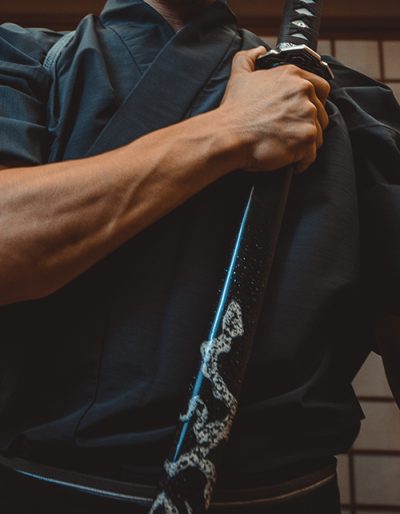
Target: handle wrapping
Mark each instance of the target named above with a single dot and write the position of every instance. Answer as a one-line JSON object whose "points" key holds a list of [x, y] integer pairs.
{"points": [[301, 22]]}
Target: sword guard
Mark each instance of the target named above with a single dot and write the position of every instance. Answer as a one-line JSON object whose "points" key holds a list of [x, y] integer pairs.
{"points": [[300, 55]]}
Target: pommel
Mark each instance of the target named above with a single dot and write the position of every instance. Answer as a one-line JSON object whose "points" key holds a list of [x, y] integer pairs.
{"points": [[300, 55]]}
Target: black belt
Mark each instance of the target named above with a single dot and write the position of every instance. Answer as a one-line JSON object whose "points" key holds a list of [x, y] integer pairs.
{"points": [[27, 478]]}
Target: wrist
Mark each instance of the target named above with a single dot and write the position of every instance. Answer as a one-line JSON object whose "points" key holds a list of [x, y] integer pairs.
{"points": [[229, 142]]}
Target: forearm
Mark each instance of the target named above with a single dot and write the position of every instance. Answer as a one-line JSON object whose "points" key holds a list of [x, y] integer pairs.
{"points": [[58, 220]]}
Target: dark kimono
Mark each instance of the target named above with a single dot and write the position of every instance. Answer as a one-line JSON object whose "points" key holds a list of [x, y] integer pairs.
{"points": [[94, 376]]}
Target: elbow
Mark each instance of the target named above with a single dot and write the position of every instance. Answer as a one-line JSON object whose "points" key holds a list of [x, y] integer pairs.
{"points": [[15, 292], [9, 296]]}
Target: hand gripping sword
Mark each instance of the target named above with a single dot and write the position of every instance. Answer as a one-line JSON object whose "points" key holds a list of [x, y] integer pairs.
{"points": [[190, 472]]}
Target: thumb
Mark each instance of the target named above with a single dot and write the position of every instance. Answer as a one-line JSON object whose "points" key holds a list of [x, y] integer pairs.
{"points": [[245, 61]]}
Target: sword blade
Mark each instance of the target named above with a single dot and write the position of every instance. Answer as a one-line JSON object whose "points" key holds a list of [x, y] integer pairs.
{"points": [[191, 471]]}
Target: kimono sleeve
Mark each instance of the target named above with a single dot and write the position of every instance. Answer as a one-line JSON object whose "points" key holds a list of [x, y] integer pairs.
{"points": [[24, 87], [372, 116]]}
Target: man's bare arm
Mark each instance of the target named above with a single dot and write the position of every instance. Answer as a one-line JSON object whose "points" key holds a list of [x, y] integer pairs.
{"points": [[57, 220]]}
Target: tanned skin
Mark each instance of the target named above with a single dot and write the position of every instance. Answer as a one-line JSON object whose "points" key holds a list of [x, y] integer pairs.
{"points": [[58, 220]]}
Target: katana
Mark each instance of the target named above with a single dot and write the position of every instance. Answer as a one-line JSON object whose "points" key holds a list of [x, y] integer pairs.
{"points": [[190, 472]]}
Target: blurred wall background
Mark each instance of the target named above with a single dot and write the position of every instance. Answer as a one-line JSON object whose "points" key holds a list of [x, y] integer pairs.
{"points": [[346, 17], [364, 34]]}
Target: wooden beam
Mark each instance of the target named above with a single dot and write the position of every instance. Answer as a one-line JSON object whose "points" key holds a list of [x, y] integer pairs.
{"points": [[370, 9], [342, 18], [350, 19], [59, 15], [333, 28]]}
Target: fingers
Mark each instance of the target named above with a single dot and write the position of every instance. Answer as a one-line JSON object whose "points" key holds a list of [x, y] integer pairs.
{"points": [[308, 159], [245, 61], [317, 90], [283, 108], [320, 134], [322, 115], [313, 138], [321, 86]]}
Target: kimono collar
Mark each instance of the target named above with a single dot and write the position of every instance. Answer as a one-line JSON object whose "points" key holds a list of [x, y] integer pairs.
{"points": [[144, 31], [175, 79], [130, 10], [136, 11]]}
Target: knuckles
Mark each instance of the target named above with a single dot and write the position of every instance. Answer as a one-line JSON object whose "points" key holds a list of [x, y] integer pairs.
{"points": [[295, 111], [325, 88], [309, 134], [239, 58], [306, 87], [300, 80], [311, 111], [239, 55], [291, 69]]}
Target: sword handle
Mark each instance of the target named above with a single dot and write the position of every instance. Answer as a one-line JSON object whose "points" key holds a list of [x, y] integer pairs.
{"points": [[300, 24]]}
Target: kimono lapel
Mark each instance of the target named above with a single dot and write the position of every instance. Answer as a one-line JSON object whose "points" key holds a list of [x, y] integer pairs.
{"points": [[142, 29], [171, 84]]}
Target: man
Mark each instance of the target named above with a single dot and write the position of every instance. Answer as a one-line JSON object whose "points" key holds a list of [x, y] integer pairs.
{"points": [[117, 222]]}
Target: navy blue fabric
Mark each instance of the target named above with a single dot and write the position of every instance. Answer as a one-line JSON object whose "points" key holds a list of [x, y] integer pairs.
{"points": [[24, 87], [94, 376]]}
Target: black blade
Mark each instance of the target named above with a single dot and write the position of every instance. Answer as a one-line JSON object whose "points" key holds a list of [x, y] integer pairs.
{"points": [[191, 470]]}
